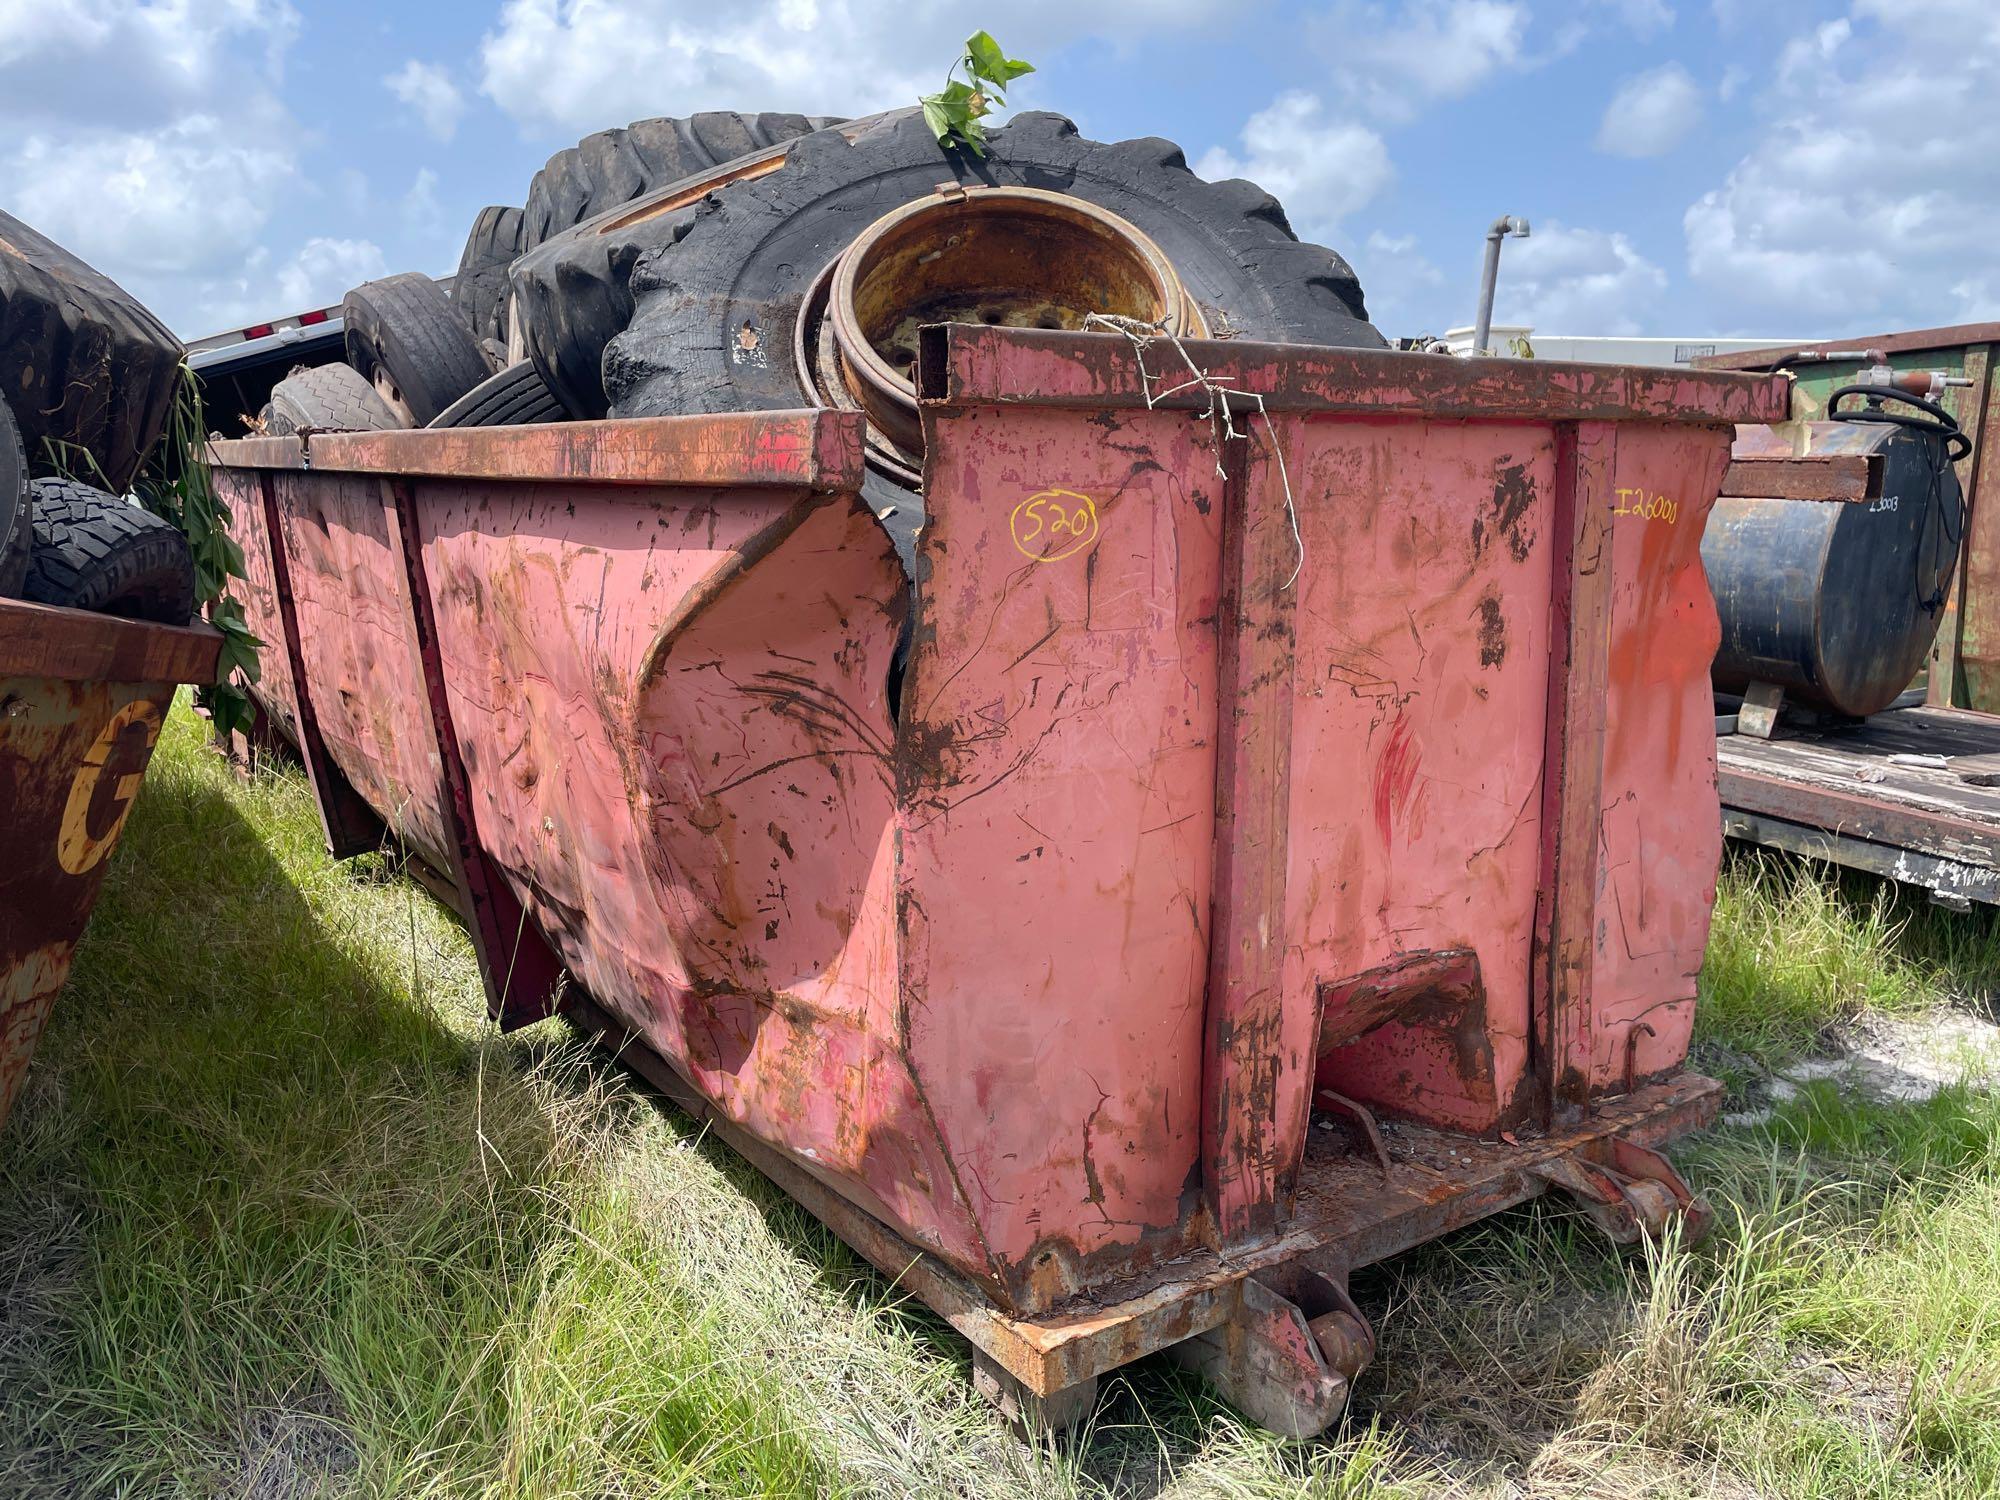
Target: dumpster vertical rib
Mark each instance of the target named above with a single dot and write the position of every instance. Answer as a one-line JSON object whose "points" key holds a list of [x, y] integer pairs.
{"points": [[1256, 1067], [348, 822], [1968, 617], [1573, 765], [522, 974]]}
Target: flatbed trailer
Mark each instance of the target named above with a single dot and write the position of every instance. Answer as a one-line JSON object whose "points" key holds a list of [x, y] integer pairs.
{"points": [[1912, 794]]}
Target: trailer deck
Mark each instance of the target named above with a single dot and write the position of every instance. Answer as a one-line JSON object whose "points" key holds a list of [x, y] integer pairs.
{"points": [[1913, 794]]}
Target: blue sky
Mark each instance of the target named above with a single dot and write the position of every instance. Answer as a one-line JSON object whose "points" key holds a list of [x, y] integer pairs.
{"points": [[1690, 166]]}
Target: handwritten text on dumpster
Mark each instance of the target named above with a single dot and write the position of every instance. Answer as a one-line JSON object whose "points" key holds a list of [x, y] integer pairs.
{"points": [[1053, 524], [1646, 505]]}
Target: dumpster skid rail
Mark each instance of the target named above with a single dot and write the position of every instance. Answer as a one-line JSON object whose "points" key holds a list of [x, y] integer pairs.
{"points": [[1017, 917], [82, 701]]}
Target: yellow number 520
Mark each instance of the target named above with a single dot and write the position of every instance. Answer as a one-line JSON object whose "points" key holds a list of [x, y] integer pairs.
{"points": [[1053, 524]]}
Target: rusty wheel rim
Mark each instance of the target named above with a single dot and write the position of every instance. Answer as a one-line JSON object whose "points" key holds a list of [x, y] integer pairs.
{"points": [[1006, 256]]}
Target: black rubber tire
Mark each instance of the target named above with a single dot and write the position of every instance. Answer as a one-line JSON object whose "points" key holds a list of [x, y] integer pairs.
{"points": [[611, 168], [516, 397], [479, 290], [406, 325], [81, 361], [99, 552], [569, 286], [17, 508], [327, 398], [734, 269]]}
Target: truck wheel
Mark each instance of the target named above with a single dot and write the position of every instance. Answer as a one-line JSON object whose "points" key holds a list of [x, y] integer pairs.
{"points": [[516, 397], [405, 337], [479, 290], [80, 360], [16, 508], [569, 284], [327, 398], [725, 298], [95, 551]]}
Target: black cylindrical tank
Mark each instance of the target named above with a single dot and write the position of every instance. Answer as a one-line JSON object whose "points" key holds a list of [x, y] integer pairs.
{"points": [[1837, 602]]}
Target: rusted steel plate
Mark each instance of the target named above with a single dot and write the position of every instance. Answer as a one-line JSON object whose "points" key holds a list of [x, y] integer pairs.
{"points": [[1255, 1093], [1908, 341], [73, 751], [972, 365], [811, 451], [1817, 477], [258, 452], [245, 491], [358, 647], [39, 640]]}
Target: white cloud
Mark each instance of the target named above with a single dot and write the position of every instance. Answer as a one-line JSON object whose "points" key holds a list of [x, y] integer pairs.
{"points": [[163, 171], [1642, 16], [429, 92], [190, 198], [1577, 281], [1393, 63], [1872, 197], [580, 65], [318, 274], [1407, 295], [422, 214], [1321, 169], [1650, 113]]}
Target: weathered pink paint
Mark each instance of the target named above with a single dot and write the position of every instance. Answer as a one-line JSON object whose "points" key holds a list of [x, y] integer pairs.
{"points": [[1028, 964]]}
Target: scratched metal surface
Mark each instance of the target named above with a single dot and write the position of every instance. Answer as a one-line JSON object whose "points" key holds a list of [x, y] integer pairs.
{"points": [[72, 756], [242, 491], [1423, 668], [1661, 847], [357, 640], [1058, 823]]}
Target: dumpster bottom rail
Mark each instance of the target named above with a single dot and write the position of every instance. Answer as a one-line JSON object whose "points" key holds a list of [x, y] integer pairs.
{"points": [[1272, 1327]]}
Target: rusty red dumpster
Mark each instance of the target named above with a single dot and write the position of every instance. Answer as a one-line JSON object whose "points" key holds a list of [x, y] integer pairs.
{"points": [[82, 699], [1021, 913]]}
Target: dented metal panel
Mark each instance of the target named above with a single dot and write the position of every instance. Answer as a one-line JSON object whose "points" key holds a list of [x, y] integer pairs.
{"points": [[82, 700], [1034, 960]]}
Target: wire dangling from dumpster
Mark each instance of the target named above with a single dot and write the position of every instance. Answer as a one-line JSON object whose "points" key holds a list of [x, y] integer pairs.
{"points": [[1141, 335]]}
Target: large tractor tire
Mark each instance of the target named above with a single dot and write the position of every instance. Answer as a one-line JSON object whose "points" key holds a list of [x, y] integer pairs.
{"points": [[611, 168], [591, 212], [516, 397], [404, 335], [100, 552], [82, 364], [720, 296], [327, 398], [479, 290], [17, 508]]}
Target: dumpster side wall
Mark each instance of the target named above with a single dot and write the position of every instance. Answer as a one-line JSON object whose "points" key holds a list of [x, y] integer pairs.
{"points": [[1661, 842], [1059, 787], [360, 650], [672, 708], [242, 490], [1420, 733]]}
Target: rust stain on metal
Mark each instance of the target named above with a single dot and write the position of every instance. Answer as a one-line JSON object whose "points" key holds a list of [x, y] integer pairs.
{"points": [[82, 699]]}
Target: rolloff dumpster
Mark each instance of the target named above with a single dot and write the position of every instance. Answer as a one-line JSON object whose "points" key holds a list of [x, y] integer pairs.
{"points": [[82, 698], [1359, 767]]}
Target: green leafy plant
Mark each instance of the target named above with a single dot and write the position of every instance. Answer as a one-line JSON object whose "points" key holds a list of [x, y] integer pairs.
{"points": [[177, 486], [956, 114]]}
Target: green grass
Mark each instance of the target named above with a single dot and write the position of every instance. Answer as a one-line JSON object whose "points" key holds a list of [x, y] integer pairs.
{"points": [[280, 1216], [1799, 950]]}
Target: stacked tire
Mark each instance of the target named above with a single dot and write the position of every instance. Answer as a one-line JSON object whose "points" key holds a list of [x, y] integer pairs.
{"points": [[91, 378]]}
